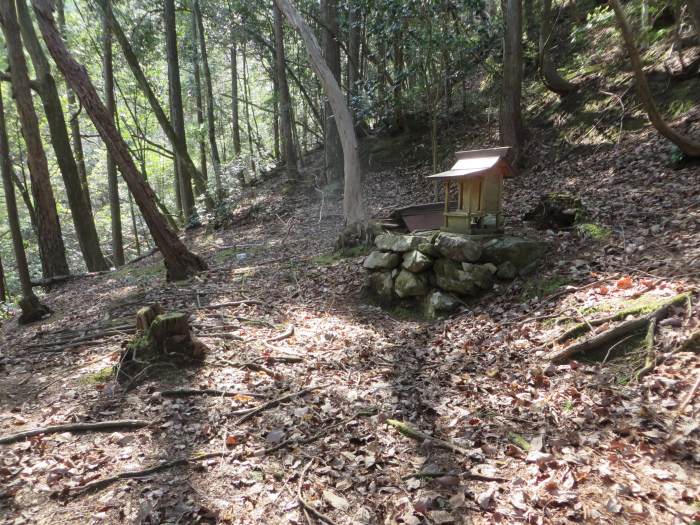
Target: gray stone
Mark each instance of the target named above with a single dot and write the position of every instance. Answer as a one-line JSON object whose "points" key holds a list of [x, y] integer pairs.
{"points": [[521, 252], [507, 270], [382, 285], [429, 249], [397, 243], [416, 262], [410, 284], [480, 274], [450, 276], [491, 267], [458, 247], [381, 261], [440, 302]]}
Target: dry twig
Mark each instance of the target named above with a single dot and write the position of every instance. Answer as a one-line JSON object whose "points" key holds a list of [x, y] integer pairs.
{"points": [[75, 427]]}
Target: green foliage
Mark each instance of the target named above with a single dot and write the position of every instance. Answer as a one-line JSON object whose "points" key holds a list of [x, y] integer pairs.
{"points": [[591, 230]]}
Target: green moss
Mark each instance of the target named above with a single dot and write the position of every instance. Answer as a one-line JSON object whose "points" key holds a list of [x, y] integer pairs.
{"points": [[101, 376], [593, 231], [544, 287], [334, 258]]}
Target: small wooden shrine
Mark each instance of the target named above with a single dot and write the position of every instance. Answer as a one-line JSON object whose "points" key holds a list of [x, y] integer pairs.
{"points": [[479, 175]]}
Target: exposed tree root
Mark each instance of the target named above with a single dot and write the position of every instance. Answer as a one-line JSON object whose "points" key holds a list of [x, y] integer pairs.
{"points": [[247, 414], [187, 392], [305, 504], [75, 427], [413, 433]]}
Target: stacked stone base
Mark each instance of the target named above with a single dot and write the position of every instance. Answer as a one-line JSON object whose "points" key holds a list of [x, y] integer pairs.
{"points": [[440, 270]]}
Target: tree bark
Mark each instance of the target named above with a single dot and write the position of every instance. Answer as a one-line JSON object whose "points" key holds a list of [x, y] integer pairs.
{"points": [[178, 145], [112, 179], [331, 51], [74, 121], [180, 263], [354, 33], [353, 205], [211, 122], [32, 309], [511, 121], [689, 147], [198, 96], [289, 153], [694, 11], [176, 113], [548, 73], [46, 88], [235, 117], [51, 248]]}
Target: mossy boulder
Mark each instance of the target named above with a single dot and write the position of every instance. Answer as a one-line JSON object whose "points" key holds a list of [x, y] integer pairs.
{"points": [[381, 261], [409, 284], [440, 303], [450, 277], [416, 262], [381, 284], [397, 243], [480, 274], [458, 247], [521, 253]]}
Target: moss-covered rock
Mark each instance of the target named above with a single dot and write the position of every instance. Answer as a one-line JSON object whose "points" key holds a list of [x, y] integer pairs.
{"points": [[409, 284]]}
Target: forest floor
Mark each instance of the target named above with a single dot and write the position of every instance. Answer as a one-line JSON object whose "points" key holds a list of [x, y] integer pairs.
{"points": [[533, 442]]}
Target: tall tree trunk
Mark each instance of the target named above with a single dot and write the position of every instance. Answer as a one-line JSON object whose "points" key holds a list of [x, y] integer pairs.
{"points": [[176, 143], [275, 117], [235, 118], [77, 201], [76, 137], [179, 261], [399, 66], [176, 113], [353, 205], [51, 248], [511, 121], [32, 309], [3, 284], [285, 100], [198, 96], [354, 33], [211, 123], [548, 73], [249, 128], [331, 51], [112, 179], [687, 146]]}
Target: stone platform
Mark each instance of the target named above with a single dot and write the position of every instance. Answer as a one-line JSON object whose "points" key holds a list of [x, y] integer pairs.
{"points": [[440, 269]]}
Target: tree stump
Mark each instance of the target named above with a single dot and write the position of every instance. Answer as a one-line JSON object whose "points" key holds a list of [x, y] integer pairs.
{"points": [[160, 337], [557, 210]]}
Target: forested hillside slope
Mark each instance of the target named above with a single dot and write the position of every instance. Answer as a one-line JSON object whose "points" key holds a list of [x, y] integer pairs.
{"points": [[203, 346]]}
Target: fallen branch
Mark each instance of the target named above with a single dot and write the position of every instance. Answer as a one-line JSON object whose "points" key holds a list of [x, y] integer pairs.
{"points": [[619, 331], [187, 392], [467, 475], [413, 433], [289, 332], [305, 504], [105, 482], [247, 414], [689, 396], [231, 303], [650, 355], [75, 427]]}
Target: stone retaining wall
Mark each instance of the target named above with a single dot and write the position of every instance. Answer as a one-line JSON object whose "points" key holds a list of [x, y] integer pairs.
{"points": [[440, 269]]}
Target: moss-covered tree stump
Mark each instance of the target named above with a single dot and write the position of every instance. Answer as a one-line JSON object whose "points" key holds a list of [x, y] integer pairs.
{"points": [[160, 337]]}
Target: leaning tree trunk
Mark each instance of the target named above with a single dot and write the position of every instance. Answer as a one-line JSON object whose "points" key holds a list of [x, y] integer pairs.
{"points": [[53, 253], [80, 208], [177, 115], [112, 177], [353, 205], [687, 146], [331, 50], [211, 122], [289, 152], [179, 261], [511, 120], [178, 145], [76, 137], [548, 73], [32, 309]]}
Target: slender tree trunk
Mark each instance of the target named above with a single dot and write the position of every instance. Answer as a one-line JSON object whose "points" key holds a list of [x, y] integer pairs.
{"points": [[249, 128], [275, 117], [211, 123], [235, 118], [198, 97], [176, 113], [24, 192], [687, 146], [331, 50], [179, 261], [76, 138], [178, 145], [511, 121], [548, 73], [51, 248], [353, 205], [694, 11], [134, 227], [399, 66], [32, 309], [285, 100], [77, 201], [3, 284], [112, 178], [354, 34]]}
